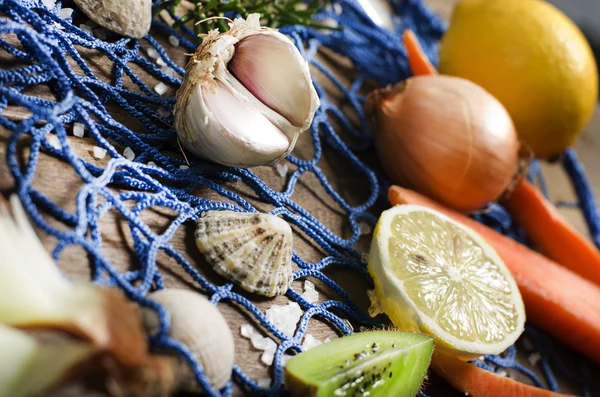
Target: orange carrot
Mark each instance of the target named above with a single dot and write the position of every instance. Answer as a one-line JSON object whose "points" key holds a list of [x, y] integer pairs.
{"points": [[551, 233], [557, 300], [418, 61], [476, 382]]}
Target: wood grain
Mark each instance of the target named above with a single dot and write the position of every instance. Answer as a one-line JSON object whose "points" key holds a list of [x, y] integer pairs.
{"points": [[60, 184]]}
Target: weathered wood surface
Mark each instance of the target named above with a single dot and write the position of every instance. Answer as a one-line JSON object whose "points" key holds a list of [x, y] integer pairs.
{"points": [[60, 183]]}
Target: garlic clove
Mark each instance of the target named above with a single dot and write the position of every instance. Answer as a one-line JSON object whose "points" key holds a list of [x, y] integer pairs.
{"points": [[269, 66], [263, 70], [235, 132]]}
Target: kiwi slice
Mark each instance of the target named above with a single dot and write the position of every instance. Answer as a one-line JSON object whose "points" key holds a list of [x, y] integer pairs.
{"points": [[376, 363]]}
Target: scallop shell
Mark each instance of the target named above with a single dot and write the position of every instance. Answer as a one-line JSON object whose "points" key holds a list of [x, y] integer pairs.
{"points": [[252, 250], [202, 328]]}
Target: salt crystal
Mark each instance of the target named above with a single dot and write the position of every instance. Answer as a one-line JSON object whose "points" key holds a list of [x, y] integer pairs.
{"points": [[310, 342], [502, 373], [152, 53], [161, 62], [260, 342], [364, 258], [310, 295], [160, 88], [337, 8], [281, 169], [168, 71], [247, 330], [54, 142], [86, 28], [58, 26], [267, 358], [91, 24], [162, 112], [152, 163], [65, 13], [285, 318], [327, 340], [100, 33], [174, 41], [364, 228], [184, 167], [534, 358], [129, 154], [98, 152], [78, 129], [264, 382], [269, 353], [308, 285], [49, 3]]}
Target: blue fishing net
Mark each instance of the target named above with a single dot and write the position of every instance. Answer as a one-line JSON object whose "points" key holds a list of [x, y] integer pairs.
{"points": [[47, 50]]}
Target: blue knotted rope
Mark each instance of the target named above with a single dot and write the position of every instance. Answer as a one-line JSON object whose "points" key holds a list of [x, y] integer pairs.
{"points": [[50, 46]]}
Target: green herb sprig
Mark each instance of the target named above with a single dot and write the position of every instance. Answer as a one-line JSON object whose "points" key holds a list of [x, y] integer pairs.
{"points": [[274, 13]]}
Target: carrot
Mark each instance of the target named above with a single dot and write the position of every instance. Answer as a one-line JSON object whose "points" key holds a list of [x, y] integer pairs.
{"points": [[551, 233], [418, 61], [476, 382], [557, 300]]}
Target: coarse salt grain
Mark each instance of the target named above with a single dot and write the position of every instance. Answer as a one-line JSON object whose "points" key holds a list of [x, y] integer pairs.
{"points": [[168, 71], [161, 62], [286, 358], [100, 33], [152, 53], [285, 317], [281, 169], [129, 154], [310, 294], [152, 163], [54, 141], [49, 3], [310, 342], [160, 88], [264, 382], [327, 340], [91, 24], [98, 152], [65, 13], [348, 324], [78, 129], [174, 41], [269, 353], [502, 373], [162, 112], [184, 167], [86, 28], [247, 330]]}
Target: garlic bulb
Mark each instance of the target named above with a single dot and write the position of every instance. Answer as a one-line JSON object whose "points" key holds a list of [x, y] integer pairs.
{"points": [[246, 96]]}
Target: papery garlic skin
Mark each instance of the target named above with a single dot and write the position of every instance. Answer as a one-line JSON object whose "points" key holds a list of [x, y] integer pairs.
{"points": [[246, 97]]}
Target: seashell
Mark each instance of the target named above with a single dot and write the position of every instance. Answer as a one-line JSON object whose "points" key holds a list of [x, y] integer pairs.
{"points": [[130, 18], [250, 249], [202, 328]]}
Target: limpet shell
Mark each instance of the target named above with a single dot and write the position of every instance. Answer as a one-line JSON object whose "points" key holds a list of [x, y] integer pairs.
{"points": [[130, 18], [202, 328], [250, 249]]}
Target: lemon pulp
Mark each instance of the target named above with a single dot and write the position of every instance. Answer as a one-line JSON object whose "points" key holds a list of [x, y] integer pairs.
{"points": [[436, 276]]}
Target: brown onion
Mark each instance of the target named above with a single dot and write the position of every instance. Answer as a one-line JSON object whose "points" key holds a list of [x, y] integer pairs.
{"points": [[445, 137]]}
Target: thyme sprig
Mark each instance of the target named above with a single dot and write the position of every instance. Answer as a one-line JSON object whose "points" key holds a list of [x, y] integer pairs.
{"points": [[274, 13]]}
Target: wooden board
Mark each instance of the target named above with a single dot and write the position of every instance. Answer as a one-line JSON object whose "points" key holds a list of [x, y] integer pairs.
{"points": [[60, 184]]}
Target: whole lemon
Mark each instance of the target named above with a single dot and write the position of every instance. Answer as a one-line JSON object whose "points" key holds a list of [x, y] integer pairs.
{"points": [[531, 57]]}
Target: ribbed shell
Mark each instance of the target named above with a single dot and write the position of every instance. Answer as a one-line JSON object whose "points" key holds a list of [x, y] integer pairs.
{"points": [[249, 249]]}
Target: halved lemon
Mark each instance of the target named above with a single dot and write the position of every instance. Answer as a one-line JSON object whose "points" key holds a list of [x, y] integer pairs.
{"points": [[436, 276]]}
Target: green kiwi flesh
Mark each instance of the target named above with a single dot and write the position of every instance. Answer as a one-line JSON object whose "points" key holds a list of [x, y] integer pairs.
{"points": [[376, 363]]}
